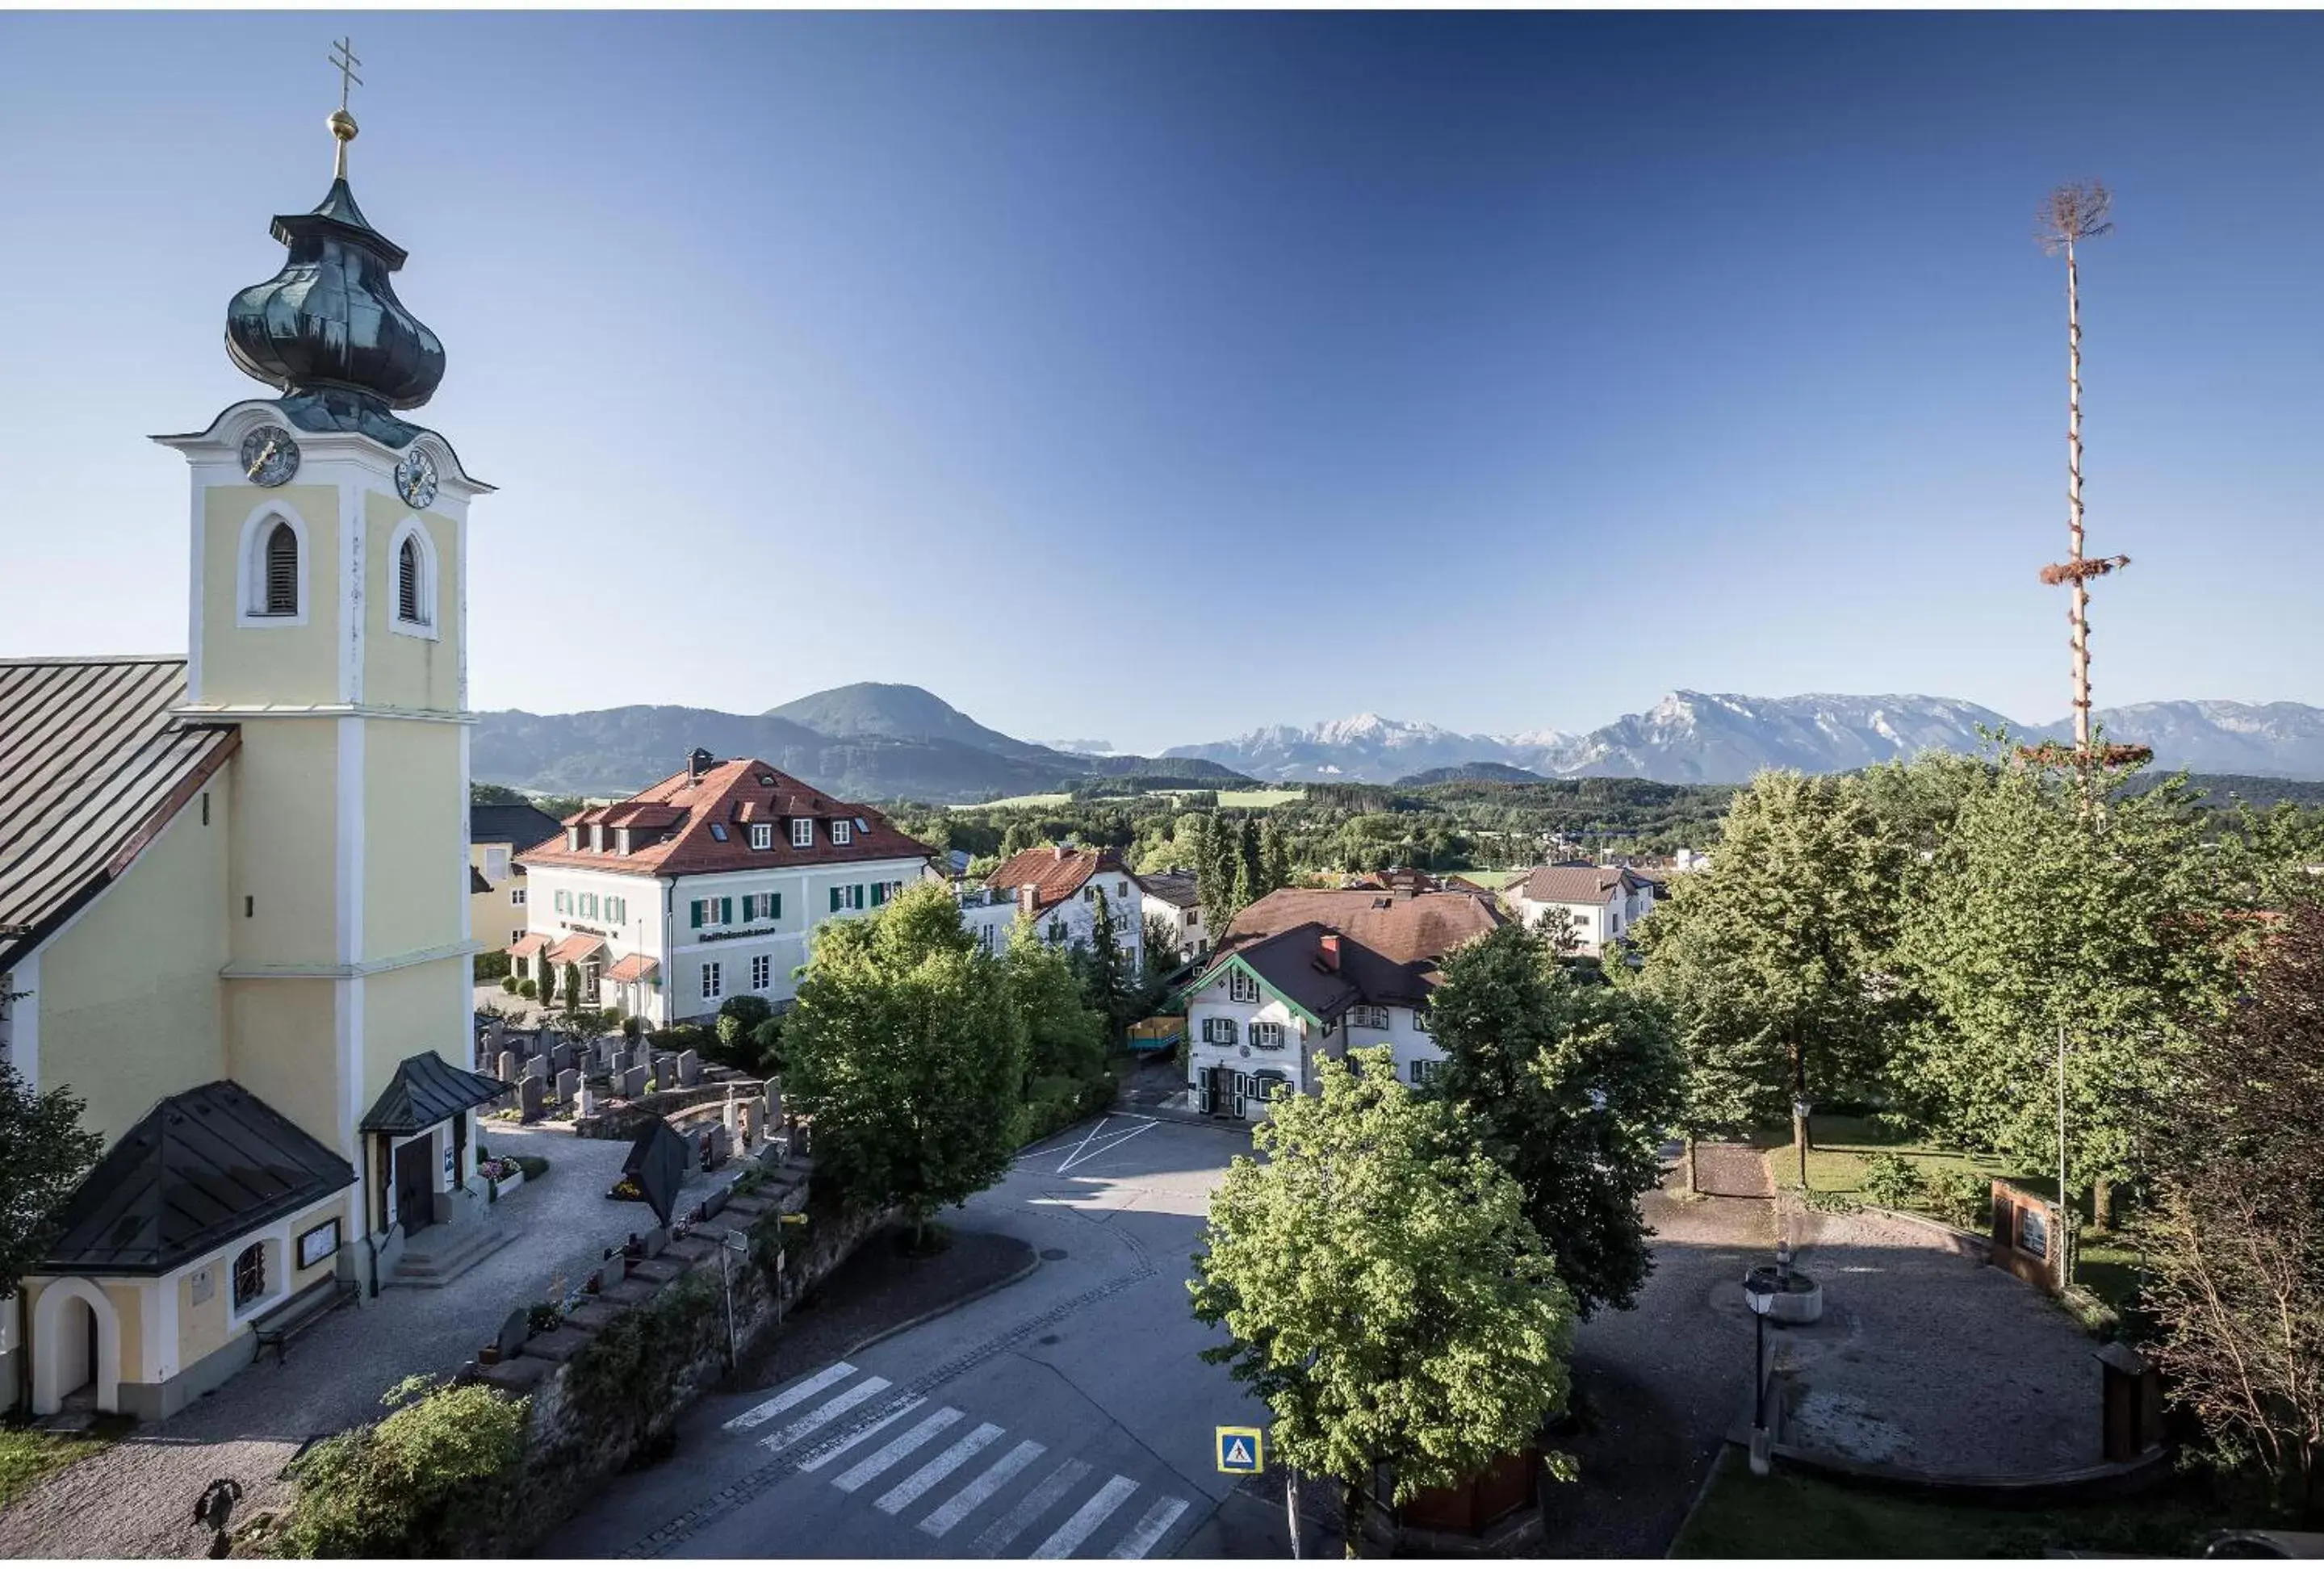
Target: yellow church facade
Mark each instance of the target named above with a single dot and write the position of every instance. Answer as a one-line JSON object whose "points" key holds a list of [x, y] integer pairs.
{"points": [[234, 887]]}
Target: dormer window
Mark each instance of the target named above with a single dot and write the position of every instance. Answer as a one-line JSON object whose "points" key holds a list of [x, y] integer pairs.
{"points": [[597, 837], [762, 835], [802, 833], [839, 827], [622, 840], [573, 837]]}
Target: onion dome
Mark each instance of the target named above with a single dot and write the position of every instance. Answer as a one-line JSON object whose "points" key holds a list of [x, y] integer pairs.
{"points": [[328, 329]]}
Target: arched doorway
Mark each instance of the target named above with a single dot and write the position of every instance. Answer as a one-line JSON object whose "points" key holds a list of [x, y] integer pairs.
{"points": [[76, 1343]]}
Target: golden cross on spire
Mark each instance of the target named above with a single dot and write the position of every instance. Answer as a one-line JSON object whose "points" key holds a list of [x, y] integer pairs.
{"points": [[342, 124]]}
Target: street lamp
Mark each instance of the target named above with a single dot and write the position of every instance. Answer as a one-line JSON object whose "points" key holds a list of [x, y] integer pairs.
{"points": [[1760, 1289]]}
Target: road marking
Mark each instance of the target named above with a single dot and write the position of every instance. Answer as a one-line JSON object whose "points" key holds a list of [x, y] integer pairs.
{"points": [[1149, 1529], [1086, 1518], [1031, 1508], [864, 1470], [1086, 1153], [1074, 1151], [825, 1413], [827, 1452], [790, 1396], [990, 1481], [896, 1497]]}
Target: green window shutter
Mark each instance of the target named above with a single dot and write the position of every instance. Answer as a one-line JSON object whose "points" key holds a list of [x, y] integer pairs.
{"points": [[878, 895], [775, 911], [836, 893], [726, 912], [858, 896], [698, 914]]}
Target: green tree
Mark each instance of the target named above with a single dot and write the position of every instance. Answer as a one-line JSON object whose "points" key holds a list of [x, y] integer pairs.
{"points": [[548, 984], [1382, 1288], [1773, 963], [44, 1152], [1064, 1038], [1274, 857], [1112, 991], [905, 1052], [2235, 1246], [2035, 917], [739, 1020], [1573, 1088], [1250, 866], [1214, 873]]}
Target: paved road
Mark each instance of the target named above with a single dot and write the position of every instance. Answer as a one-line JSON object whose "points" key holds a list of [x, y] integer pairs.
{"points": [[1068, 1415]]}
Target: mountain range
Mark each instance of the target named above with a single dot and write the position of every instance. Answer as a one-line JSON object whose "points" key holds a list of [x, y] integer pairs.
{"points": [[1721, 738], [878, 742]]}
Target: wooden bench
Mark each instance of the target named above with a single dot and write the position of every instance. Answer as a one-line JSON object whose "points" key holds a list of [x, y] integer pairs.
{"points": [[277, 1325]]}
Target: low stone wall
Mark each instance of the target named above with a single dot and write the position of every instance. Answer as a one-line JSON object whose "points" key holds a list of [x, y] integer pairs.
{"points": [[623, 1122], [608, 1387]]}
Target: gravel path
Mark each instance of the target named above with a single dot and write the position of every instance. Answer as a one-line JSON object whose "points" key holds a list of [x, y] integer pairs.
{"points": [[1932, 1361], [136, 1499]]}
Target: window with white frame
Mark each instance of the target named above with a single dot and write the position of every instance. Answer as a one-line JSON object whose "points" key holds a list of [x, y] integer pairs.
{"points": [[411, 558], [517, 935], [274, 571], [516, 896], [1420, 1020], [840, 828], [762, 835], [496, 862], [1367, 1016], [802, 833], [713, 987], [1219, 1031], [1269, 1037], [1242, 988], [1424, 1069], [762, 971]]}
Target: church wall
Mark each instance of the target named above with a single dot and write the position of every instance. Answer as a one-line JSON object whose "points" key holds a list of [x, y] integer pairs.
{"points": [[270, 662], [130, 1009], [416, 1009], [283, 905], [415, 837], [400, 669], [284, 1049]]}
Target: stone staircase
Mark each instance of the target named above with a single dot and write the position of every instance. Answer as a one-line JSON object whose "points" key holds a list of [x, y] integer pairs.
{"points": [[442, 1254]]}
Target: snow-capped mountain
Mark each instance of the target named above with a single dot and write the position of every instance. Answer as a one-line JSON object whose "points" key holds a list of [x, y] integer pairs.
{"points": [[1719, 737], [1363, 747]]}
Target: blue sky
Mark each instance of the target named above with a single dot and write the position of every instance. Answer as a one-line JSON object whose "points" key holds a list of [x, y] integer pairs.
{"points": [[1150, 377]]}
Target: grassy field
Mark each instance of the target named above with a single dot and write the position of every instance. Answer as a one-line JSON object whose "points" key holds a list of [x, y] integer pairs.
{"points": [[1054, 799], [2105, 1264], [28, 1455], [1496, 880], [1742, 1516], [1257, 800]]}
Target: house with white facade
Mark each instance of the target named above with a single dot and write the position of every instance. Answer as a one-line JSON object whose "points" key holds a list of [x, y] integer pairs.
{"points": [[708, 885], [1308, 973], [1057, 887], [1173, 899], [1597, 904]]}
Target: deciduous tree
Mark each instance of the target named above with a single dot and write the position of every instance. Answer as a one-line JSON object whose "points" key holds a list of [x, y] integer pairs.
{"points": [[907, 1053], [1573, 1088], [44, 1152], [1382, 1288]]}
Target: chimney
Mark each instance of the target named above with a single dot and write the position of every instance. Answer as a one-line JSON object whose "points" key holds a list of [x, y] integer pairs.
{"points": [[698, 763], [1026, 893], [1332, 952], [1060, 851]]}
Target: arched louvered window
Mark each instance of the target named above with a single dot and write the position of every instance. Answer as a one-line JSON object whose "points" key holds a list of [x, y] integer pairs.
{"points": [[282, 572], [406, 581]]}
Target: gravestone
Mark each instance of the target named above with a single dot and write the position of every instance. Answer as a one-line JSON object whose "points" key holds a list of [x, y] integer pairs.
{"points": [[569, 1085], [516, 1330], [531, 1091], [538, 1068], [633, 1084], [655, 1242], [665, 1071], [690, 1070], [584, 1100], [509, 1074], [722, 1146], [560, 1056], [746, 1124]]}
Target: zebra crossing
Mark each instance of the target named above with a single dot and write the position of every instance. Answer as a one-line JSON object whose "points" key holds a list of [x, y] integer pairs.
{"points": [[827, 1420]]}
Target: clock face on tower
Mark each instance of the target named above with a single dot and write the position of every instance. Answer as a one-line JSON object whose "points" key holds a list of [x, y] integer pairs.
{"points": [[269, 456], [415, 479]]}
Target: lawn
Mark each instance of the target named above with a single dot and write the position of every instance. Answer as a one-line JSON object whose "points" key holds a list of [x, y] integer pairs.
{"points": [[28, 1455], [2105, 1264], [1786, 1515]]}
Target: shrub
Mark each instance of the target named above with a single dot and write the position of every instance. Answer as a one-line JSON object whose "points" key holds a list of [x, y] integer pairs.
{"points": [[543, 1319], [633, 1027], [1891, 1181], [422, 1483], [492, 965], [527, 989], [767, 1040], [1961, 1198], [532, 1166], [508, 985]]}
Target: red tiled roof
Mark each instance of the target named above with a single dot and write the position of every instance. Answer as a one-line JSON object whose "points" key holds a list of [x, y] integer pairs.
{"points": [[574, 948], [1053, 871], [633, 967], [525, 947], [670, 826], [1574, 885], [1391, 946]]}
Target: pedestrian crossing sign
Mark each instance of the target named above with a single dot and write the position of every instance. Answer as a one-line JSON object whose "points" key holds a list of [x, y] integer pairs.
{"points": [[1241, 1450]]}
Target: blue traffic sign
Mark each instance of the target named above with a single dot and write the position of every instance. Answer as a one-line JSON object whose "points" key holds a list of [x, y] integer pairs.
{"points": [[1241, 1450]]}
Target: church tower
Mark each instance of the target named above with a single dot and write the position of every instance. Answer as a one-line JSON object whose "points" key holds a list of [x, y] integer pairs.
{"points": [[328, 596]]}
